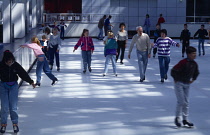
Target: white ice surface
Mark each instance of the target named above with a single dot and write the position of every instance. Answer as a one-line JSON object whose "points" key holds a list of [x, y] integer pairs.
{"points": [[90, 104]]}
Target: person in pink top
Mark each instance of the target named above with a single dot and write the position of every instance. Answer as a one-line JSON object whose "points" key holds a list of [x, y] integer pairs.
{"points": [[41, 61], [87, 48]]}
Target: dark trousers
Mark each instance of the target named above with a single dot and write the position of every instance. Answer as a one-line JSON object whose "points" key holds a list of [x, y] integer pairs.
{"points": [[184, 46], [53, 52], [62, 33], [154, 51], [121, 46], [44, 49]]}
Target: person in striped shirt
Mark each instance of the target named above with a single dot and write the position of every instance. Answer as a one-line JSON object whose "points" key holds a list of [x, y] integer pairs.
{"points": [[163, 45]]}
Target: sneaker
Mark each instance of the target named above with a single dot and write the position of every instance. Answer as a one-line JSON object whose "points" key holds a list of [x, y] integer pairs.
{"points": [[90, 70], [104, 75], [162, 80], [144, 78], [84, 71], [116, 75], [38, 84], [3, 128], [121, 62], [204, 53], [177, 122], [187, 123], [15, 128], [58, 69], [54, 81], [141, 80]]}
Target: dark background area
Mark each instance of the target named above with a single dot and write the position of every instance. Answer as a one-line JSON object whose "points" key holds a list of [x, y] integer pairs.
{"points": [[63, 6]]}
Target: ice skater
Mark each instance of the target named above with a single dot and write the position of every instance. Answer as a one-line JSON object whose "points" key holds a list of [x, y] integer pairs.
{"points": [[202, 33], [110, 52], [184, 73], [87, 48], [54, 46], [42, 63], [143, 50], [10, 70], [122, 37], [185, 39], [164, 44]]}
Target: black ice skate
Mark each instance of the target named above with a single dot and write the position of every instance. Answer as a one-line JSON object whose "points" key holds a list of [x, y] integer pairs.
{"points": [[177, 122], [187, 123]]}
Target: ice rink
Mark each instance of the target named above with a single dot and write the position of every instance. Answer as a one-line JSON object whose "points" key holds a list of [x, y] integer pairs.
{"points": [[90, 104]]}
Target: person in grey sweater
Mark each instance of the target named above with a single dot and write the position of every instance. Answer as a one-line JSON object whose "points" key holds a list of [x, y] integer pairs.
{"points": [[143, 50], [54, 46]]}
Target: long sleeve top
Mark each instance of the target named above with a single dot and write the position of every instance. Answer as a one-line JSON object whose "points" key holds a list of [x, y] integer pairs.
{"points": [[86, 44], [54, 41], [110, 47], [185, 35], [11, 73], [142, 43], [101, 23], [185, 70], [36, 48], [147, 22], [122, 36], [201, 33], [164, 45]]}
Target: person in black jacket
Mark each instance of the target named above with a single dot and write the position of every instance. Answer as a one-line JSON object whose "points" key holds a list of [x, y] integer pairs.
{"points": [[156, 36], [185, 39], [202, 33], [184, 73], [9, 72]]}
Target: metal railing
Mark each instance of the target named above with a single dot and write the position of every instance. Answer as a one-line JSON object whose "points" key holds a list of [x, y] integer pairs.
{"points": [[77, 17]]}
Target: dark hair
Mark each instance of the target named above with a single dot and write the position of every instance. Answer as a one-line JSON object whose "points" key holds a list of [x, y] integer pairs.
{"points": [[104, 16], [110, 16], [147, 15], [202, 25], [163, 31], [190, 49], [47, 30], [84, 30], [161, 14], [8, 56], [185, 24], [122, 24]]}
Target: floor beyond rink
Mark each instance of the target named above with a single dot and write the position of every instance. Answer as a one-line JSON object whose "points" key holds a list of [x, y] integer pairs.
{"points": [[90, 104]]}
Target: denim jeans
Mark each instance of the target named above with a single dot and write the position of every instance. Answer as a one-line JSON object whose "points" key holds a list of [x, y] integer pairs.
{"points": [[86, 56], [53, 52], [201, 42], [182, 95], [62, 33], [42, 64], [9, 100], [147, 30], [108, 58], [100, 35], [142, 61], [163, 65]]}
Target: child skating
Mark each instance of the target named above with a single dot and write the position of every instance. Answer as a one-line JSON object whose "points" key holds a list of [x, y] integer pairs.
{"points": [[110, 52], [184, 73], [87, 48]]}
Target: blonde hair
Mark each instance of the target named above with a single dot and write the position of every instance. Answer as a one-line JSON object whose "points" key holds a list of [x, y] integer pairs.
{"points": [[35, 40], [110, 34]]}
